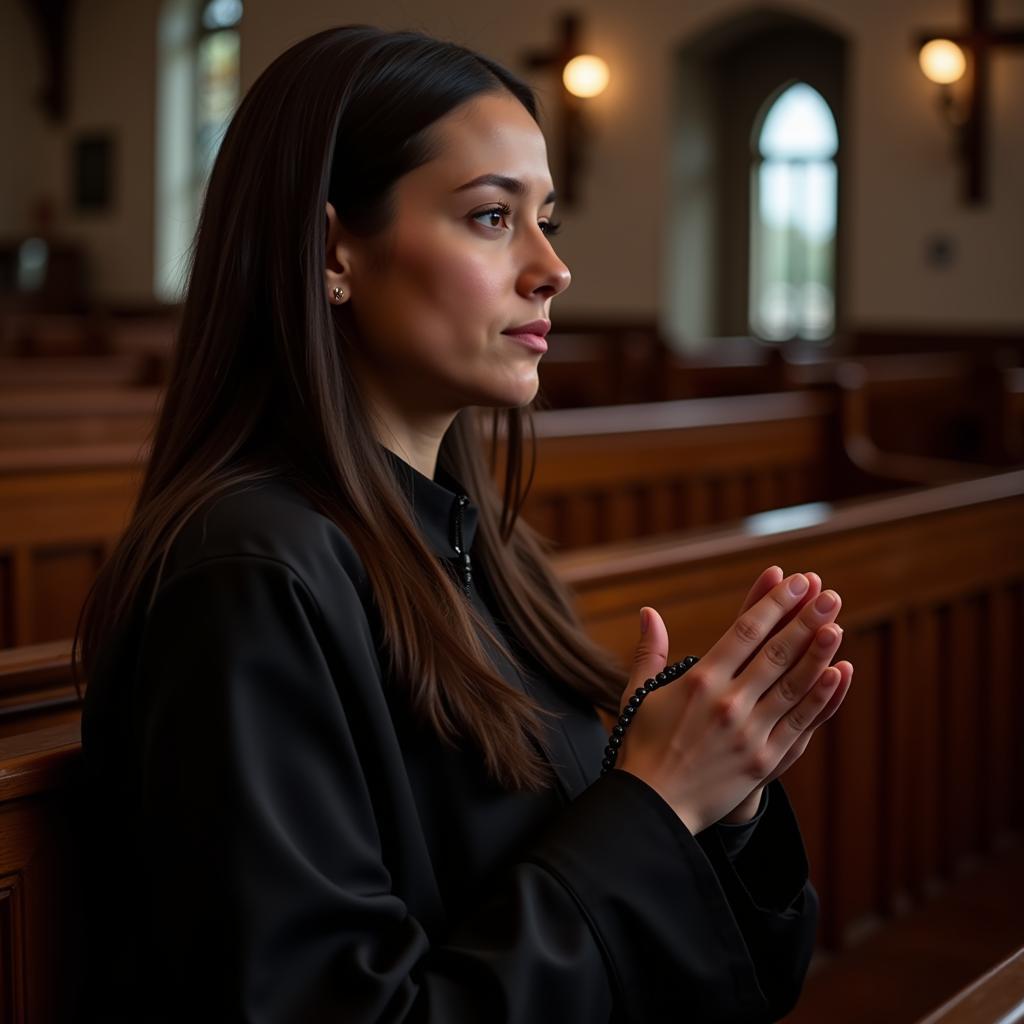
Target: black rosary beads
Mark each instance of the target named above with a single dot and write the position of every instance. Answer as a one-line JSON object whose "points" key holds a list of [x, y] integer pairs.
{"points": [[668, 675]]}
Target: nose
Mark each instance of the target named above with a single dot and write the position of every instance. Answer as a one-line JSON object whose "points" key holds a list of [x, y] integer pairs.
{"points": [[545, 273]]}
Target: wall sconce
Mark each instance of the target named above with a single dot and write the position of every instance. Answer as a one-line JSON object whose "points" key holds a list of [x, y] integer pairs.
{"points": [[942, 58], [585, 76], [582, 76], [944, 63]]}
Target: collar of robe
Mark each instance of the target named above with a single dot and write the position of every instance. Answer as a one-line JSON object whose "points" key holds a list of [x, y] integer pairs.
{"points": [[445, 513]]}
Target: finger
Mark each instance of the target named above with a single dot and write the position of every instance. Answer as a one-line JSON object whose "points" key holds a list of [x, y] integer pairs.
{"points": [[791, 687], [650, 653], [792, 755], [838, 695], [768, 579], [750, 630], [789, 728], [791, 651], [812, 592], [796, 751]]}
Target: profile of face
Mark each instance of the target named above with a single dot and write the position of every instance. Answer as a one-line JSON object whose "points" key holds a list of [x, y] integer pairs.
{"points": [[461, 263]]}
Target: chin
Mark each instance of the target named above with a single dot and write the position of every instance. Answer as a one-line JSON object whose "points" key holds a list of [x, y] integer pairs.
{"points": [[511, 394]]}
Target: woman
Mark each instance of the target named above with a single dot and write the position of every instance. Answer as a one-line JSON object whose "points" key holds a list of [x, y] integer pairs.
{"points": [[342, 724]]}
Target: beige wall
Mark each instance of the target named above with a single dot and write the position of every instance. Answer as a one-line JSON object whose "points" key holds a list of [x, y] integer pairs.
{"points": [[902, 187], [30, 158], [111, 88]]}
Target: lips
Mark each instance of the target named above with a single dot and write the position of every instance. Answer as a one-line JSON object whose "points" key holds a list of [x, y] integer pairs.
{"points": [[537, 328]]}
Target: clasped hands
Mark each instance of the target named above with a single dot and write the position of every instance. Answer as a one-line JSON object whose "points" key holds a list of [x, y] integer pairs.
{"points": [[711, 741]]}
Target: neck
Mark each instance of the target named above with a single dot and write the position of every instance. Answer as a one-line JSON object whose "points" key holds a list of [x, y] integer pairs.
{"points": [[413, 435]]}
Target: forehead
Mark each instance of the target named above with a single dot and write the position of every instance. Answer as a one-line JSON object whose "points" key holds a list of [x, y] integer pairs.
{"points": [[485, 135]]}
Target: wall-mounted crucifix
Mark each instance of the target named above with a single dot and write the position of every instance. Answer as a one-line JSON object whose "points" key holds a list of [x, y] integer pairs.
{"points": [[979, 41], [587, 75], [51, 18]]}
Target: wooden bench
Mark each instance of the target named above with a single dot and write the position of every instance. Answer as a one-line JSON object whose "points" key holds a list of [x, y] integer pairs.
{"points": [[55, 418], [603, 475], [49, 373], [616, 473], [920, 773], [923, 771], [39, 874], [61, 512], [995, 998], [600, 366], [1013, 411]]}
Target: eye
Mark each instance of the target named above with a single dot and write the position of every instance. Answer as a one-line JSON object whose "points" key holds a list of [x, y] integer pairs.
{"points": [[501, 210], [504, 210]]}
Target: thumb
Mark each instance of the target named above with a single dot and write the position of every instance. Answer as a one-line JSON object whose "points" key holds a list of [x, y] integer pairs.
{"points": [[651, 652]]}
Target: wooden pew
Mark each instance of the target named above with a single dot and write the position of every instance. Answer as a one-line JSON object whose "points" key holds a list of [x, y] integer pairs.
{"points": [[34, 333], [920, 772], [40, 874], [627, 471], [36, 688], [603, 475], [600, 366], [728, 366], [933, 405], [55, 418], [1013, 411], [923, 771], [995, 998], [79, 372], [61, 512]]}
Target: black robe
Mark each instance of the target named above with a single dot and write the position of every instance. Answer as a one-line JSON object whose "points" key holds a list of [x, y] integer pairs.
{"points": [[280, 841]]}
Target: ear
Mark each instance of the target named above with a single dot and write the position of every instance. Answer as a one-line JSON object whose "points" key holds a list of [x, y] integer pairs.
{"points": [[337, 259]]}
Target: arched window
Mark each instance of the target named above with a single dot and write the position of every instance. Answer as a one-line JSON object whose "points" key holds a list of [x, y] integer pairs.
{"points": [[217, 79], [793, 218], [198, 91]]}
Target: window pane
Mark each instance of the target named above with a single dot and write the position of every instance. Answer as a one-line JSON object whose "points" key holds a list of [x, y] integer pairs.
{"points": [[218, 74], [799, 125], [792, 249], [222, 14]]}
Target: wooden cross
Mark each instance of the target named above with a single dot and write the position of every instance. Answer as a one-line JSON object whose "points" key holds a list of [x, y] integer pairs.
{"points": [[978, 41], [573, 127], [52, 18]]}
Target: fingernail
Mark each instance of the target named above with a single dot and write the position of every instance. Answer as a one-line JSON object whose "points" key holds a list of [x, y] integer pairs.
{"points": [[825, 602], [643, 620], [798, 584]]}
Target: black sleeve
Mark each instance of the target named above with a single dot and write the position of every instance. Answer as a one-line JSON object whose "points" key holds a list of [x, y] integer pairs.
{"points": [[272, 902], [771, 896], [736, 836]]}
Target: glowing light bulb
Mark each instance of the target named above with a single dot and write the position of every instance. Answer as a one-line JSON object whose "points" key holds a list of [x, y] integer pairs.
{"points": [[942, 61], [585, 75]]}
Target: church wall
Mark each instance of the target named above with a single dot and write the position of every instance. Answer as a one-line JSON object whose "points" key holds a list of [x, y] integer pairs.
{"points": [[30, 161], [111, 88], [903, 187]]}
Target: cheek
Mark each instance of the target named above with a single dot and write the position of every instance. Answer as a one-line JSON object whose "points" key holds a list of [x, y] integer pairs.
{"points": [[455, 296]]}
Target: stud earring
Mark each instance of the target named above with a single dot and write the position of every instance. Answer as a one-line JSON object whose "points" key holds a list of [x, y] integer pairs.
{"points": [[338, 294]]}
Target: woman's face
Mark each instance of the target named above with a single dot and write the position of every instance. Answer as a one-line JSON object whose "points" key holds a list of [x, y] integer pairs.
{"points": [[431, 299]]}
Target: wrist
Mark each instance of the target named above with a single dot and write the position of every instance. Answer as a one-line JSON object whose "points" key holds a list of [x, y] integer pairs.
{"points": [[743, 812]]}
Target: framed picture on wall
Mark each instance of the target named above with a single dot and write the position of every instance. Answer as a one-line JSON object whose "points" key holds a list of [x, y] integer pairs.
{"points": [[93, 170]]}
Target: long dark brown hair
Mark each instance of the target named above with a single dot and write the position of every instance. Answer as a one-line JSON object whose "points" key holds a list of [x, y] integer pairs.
{"points": [[260, 386]]}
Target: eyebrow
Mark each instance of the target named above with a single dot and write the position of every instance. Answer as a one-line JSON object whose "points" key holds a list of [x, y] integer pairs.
{"points": [[502, 181]]}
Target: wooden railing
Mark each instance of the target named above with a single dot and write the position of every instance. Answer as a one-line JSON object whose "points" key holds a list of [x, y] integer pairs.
{"points": [[995, 998], [923, 769]]}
